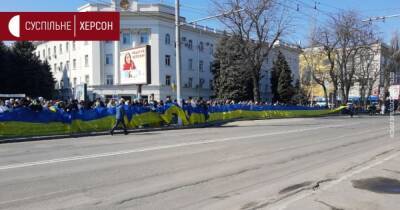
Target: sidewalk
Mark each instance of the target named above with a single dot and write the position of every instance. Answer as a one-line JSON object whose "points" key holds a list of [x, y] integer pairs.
{"points": [[376, 188]]}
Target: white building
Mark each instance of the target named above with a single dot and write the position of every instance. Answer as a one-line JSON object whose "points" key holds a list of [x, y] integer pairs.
{"points": [[97, 63], [291, 53], [377, 70]]}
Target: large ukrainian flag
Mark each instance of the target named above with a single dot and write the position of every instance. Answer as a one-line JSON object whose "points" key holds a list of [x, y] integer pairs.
{"points": [[23, 122]]}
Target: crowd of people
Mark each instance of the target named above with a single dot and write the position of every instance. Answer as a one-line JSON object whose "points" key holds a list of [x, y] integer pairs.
{"points": [[40, 104]]}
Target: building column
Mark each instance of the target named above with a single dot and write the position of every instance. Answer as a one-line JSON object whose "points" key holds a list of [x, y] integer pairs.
{"points": [[117, 80], [97, 64]]}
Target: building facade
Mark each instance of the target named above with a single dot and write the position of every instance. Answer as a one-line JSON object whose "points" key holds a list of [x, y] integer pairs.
{"points": [[97, 63], [376, 72]]}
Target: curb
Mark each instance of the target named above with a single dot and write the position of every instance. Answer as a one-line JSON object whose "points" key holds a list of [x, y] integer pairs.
{"points": [[105, 133]]}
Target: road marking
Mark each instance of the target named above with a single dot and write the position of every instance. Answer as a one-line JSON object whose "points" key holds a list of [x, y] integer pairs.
{"points": [[282, 206], [125, 152]]}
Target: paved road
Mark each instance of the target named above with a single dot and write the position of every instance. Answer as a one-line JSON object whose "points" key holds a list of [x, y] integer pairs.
{"points": [[268, 164]]}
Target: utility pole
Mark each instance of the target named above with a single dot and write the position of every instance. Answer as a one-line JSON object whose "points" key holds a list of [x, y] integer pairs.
{"points": [[178, 52]]}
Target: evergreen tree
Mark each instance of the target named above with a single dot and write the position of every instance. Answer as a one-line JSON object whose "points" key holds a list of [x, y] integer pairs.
{"points": [[300, 96], [25, 73], [5, 71], [277, 67], [281, 80], [231, 81]]}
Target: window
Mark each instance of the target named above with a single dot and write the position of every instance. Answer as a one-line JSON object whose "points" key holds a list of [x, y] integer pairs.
{"points": [[201, 46], [190, 82], [201, 65], [74, 63], [61, 66], [44, 54], [49, 52], [67, 65], [168, 60], [55, 52], [55, 67], [86, 60], [167, 39], [75, 81], [87, 79], [109, 59], [126, 38], [144, 38], [211, 66], [190, 64], [168, 80], [109, 79], [211, 85], [190, 44], [61, 51], [211, 49], [201, 83], [67, 46], [73, 45]]}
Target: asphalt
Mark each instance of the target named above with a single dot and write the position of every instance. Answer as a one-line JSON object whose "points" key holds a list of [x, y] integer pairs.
{"points": [[305, 163]]}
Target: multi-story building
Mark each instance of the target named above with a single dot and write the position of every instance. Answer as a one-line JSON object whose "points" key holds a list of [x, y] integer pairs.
{"points": [[97, 63], [291, 53], [376, 72]]}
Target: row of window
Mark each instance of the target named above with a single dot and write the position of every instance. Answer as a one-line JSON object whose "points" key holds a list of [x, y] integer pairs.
{"points": [[109, 81], [109, 61], [60, 50], [127, 38], [189, 44], [189, 84], [190, 63], [75, 80], [61, 67]]}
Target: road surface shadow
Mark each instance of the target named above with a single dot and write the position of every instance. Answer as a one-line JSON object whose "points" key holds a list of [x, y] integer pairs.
{"points": [[378, 185], [294, 187]]}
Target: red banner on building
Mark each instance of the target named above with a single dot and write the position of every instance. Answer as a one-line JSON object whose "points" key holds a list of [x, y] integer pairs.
{"points": [[57, 26]]}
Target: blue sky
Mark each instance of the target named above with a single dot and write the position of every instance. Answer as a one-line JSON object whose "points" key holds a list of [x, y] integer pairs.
{"points": [[302, 20]]}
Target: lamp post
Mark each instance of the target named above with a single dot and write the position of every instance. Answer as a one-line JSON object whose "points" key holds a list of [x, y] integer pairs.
{"points": [[178, 52]]}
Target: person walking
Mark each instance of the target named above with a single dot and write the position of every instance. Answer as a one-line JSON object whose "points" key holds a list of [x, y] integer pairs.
{"points": [[120, 116]]}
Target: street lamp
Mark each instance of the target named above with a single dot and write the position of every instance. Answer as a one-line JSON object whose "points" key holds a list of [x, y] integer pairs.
{"points": [[178, 52]]}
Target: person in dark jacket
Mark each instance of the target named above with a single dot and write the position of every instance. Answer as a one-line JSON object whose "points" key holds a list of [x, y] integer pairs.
{"points": [[120, 115]]}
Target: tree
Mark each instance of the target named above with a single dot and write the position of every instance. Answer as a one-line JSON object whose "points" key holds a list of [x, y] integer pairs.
{"points": [[229, 71], [367, 73], [277, 67], [300, 97], [315, 64], [4, 67], [342, 39], [25, 73], [325, 39], [259, 25], [352, 36], [285, 87]]}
